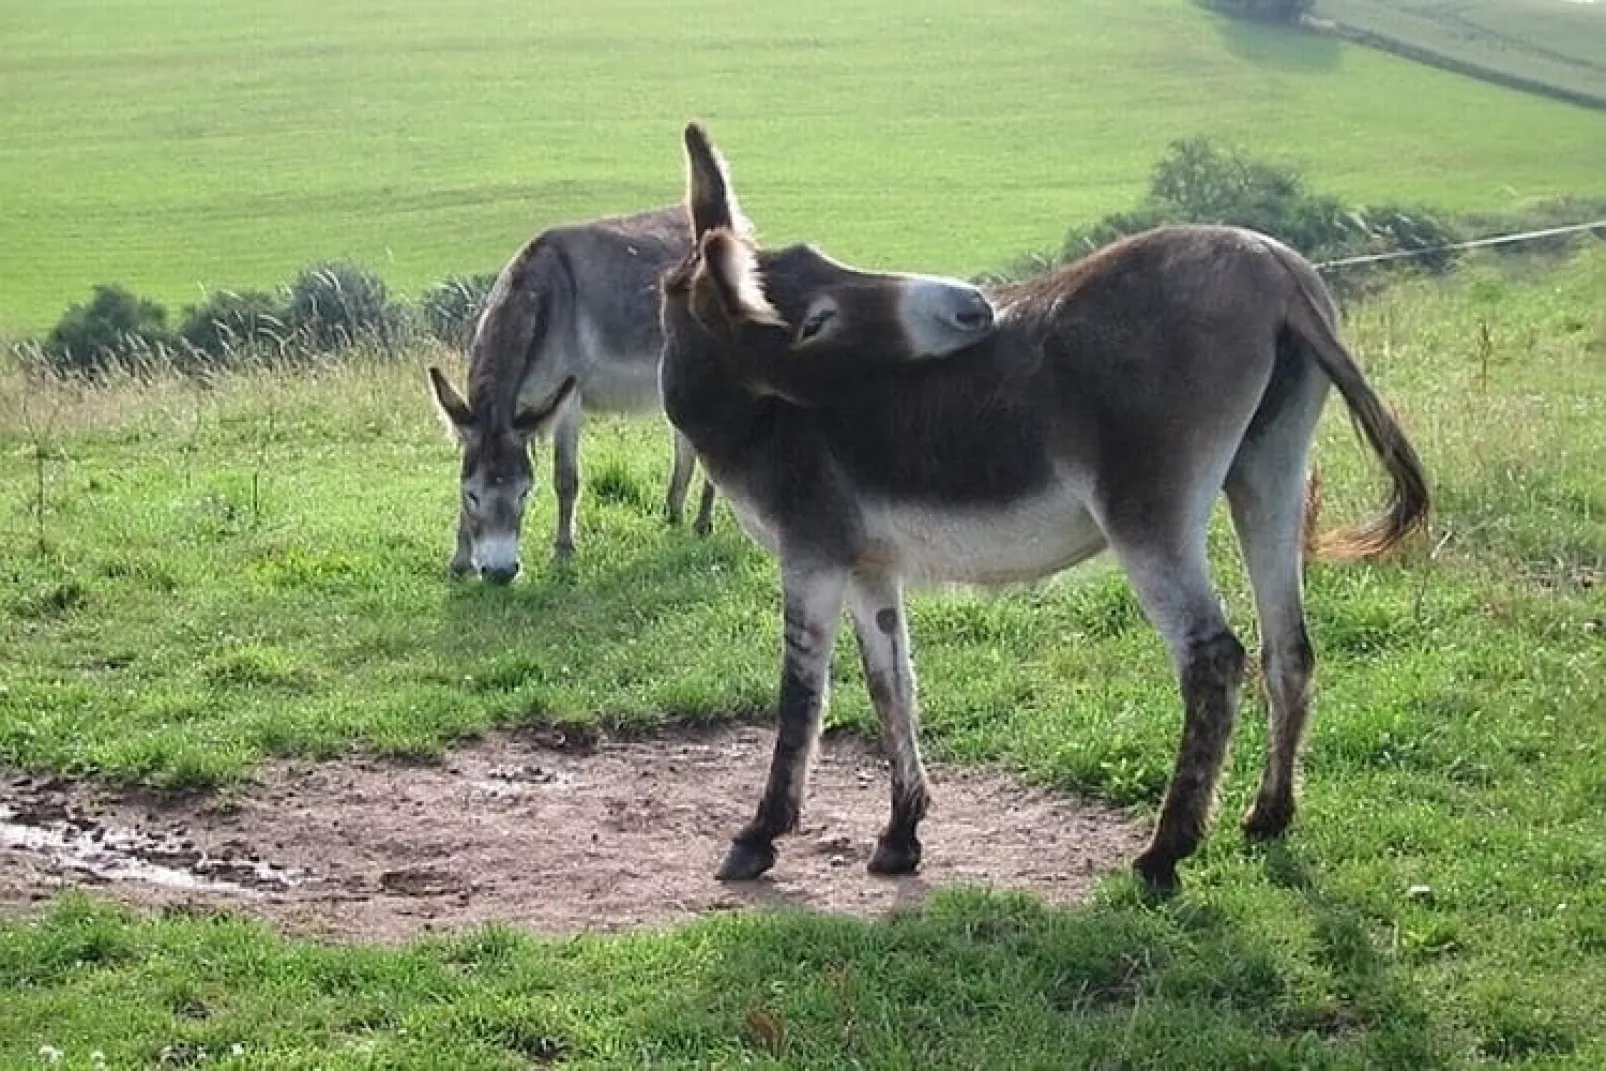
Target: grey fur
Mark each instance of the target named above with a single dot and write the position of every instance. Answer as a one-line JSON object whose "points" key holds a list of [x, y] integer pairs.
{"points": [[577, 301], [1108, 404]]}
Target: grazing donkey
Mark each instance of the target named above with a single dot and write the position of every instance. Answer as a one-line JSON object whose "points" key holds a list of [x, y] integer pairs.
{"points": [[577, 301], [1103, 405]]}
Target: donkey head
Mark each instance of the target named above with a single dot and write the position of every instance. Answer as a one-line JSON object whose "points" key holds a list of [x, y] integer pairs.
{"points": [[497, 477], [797, 302]]}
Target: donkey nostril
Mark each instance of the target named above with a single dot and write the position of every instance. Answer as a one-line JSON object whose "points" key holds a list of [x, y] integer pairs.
{"points": [[501, 574], [976, 317]]}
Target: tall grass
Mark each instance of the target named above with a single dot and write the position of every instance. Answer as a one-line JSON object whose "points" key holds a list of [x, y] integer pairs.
{"points": [[1440, 901]]}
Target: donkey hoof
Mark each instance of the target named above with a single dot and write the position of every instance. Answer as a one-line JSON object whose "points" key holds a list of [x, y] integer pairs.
{"points": [[1159, 875], [744, 862], [1268, 820], [702, 527], [562, 553], [895, 856]]}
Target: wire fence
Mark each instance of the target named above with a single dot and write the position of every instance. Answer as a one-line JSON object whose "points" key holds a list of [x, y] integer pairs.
{"points": [[1499, 239]]}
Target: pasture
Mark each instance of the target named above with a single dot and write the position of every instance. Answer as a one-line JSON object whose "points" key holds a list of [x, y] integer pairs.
{"points": [[1554, 44], [177, 146], [203, 577]]}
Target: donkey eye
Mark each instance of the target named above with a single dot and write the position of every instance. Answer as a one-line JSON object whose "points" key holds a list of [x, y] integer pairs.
{"points": [[814, 323], [472, 499]]}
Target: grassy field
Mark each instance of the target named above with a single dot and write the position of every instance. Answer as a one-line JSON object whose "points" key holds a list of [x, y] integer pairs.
{"points": [[256, 567], [179, 145], [1552, 43]]}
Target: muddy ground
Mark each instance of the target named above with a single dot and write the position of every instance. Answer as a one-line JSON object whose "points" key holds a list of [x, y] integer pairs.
{"points": [[547, 833]]}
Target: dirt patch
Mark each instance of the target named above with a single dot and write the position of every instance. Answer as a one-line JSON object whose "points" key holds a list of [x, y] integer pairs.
{"points": [[540, 832]]}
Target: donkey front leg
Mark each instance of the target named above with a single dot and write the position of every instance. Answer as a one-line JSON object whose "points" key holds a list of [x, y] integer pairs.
{"points": [[462, 562], [566, 475], [881, 628], [812, 607]]}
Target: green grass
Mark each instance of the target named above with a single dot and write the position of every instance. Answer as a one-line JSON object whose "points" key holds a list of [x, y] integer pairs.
{"points": [[174, 146], [257, 567], [1551, 43]]}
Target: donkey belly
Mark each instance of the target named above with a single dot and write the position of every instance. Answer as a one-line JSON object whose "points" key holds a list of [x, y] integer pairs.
{"points": [[1023, 539], [621, 383], [619, 368]]}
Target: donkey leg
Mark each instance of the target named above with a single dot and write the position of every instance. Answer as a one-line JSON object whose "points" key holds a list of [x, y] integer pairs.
{"points": [[679, 478], [704, 523], [462, 562], [880, 625], [812, 608], [566, 475], [1177, 595], [1265, 491]]}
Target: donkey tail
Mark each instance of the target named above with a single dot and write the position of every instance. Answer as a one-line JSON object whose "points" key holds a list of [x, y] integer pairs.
{"points": [[1311, 318]]}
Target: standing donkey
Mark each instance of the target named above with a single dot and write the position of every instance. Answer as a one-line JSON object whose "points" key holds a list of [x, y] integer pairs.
{"points": [[581, 302], [1103, 405]]}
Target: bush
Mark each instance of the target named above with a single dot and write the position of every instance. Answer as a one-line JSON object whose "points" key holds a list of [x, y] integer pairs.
{"points": [[451, 309], [1197, 182], [231, 323], [338, 304], [116, 329], [1391, 228]]}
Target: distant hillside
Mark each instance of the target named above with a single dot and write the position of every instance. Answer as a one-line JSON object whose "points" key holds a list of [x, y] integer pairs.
{"points": [[1557, 47], [172, 148]]}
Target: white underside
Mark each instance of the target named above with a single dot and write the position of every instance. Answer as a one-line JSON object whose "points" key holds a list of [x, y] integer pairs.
{"points": [[610, 381], [615, 383], [923, 544]]}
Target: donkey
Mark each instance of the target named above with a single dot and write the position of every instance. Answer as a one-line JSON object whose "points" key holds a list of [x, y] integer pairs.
{"points": [[1104, 405], [576, 301]]}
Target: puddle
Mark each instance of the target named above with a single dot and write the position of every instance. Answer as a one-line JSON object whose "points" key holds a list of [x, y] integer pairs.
{"points": [[107, 854]]}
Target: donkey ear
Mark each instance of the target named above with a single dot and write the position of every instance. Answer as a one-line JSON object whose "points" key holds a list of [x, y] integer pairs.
{"points": [[710, 197], [730, 276], [454, 411], [533, 420]]}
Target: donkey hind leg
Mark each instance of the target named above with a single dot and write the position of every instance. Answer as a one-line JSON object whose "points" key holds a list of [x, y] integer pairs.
{"points": [[462, 562], [1266, 490], [679, 478], [881, 628], [812, 609], [1176, 593], [704, 524], [680, 483], [566, 475]]}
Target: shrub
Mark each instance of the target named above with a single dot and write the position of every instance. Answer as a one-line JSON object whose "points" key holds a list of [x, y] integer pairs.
{"points": [[1393, 228], [338, 304], [1197, 182], [451, 309], [230, 323], [115, 329]]}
